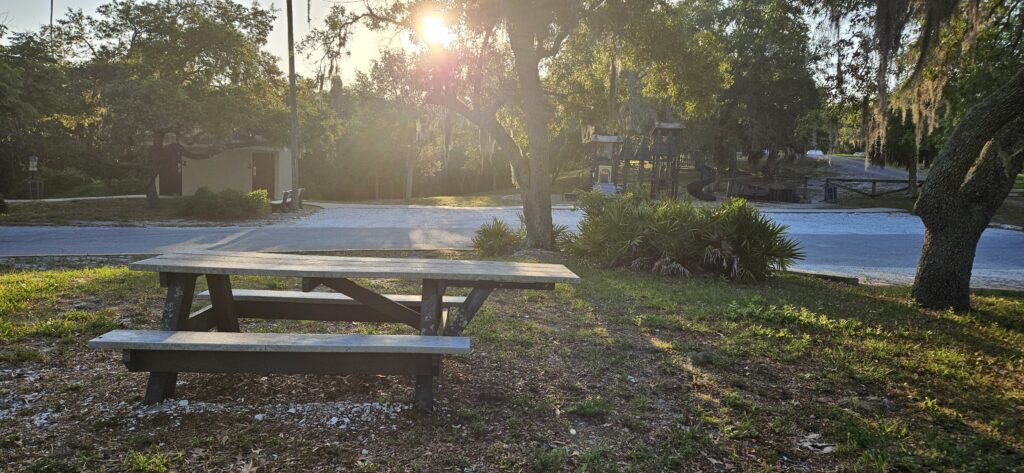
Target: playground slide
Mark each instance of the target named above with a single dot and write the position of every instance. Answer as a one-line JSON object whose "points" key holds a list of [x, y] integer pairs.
{"points": [[696, 188]]}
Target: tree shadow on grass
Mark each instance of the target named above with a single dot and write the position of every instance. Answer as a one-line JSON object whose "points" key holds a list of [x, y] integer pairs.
{"points": [[888, 381]]}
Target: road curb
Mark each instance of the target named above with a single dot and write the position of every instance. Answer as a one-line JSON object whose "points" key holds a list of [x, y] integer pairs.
{"points": [[829, 277]]}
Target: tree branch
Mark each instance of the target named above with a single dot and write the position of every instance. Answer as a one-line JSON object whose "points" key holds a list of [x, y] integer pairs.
{"points": [[487, 120], [1002, 159], [938, 203]]}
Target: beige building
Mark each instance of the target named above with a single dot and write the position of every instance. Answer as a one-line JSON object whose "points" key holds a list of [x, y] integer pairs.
{"points": [[243, 169]]}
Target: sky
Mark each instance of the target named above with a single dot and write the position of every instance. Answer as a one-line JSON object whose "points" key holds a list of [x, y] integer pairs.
{"points": [[24, 15]]}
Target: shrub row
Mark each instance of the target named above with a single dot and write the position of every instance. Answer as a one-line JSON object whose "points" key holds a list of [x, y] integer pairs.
{"points": [[677, 238], [225, 205]]}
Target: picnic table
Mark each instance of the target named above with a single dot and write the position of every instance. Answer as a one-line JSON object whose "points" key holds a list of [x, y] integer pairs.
{"points": [[186, 342]]}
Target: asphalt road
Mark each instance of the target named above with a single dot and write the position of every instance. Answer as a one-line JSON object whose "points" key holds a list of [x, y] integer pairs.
{"points": [[856, 168], [878, 247]]}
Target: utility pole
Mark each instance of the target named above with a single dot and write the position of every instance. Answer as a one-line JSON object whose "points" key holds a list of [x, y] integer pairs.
{"points": [[292, 99]]}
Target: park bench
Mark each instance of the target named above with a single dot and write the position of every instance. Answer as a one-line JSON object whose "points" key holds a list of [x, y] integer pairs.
{"points": [[281, 205], [185, 342], [296, 203]]}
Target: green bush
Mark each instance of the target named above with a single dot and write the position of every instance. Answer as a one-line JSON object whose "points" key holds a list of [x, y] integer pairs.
{"points": [[678, 238], [3, 205], [228, 204], [558, 233], [62, 182], [497, 239]]}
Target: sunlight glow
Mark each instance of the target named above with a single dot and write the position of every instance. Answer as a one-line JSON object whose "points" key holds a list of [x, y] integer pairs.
{"points": [[434, 31]]}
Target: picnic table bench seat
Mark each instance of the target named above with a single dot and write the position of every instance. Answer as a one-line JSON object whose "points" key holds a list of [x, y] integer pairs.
{"points": [[279, 353], [299, 297], [321, 306]]}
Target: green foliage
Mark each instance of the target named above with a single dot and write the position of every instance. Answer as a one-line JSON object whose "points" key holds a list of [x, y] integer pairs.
{"points": [[543, 460], [497, 239], [228, 204], [66, 178], [594, 407], [678, 238], [3, 205], [151, 462]]}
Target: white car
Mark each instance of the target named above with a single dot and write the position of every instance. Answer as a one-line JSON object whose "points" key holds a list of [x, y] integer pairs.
{"points": [[815, 153]]}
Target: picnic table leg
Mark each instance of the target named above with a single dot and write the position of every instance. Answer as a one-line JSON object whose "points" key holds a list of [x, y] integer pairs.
{"points": [[466, 311], [223, 302], [178, 305], [430, 324]]}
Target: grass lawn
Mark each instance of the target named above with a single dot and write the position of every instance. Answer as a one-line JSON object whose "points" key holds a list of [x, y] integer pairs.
{"points": [[1011, 213], [118, 211], [625, 372], [490, 199]]}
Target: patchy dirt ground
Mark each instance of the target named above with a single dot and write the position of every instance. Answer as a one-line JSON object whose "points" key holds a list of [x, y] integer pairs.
{"points": [[627, 372]]}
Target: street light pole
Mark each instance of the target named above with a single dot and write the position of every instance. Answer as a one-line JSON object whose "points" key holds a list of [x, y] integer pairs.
{"points": [[292, 99]]}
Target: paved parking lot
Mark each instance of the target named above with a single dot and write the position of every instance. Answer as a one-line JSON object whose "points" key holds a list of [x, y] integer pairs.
{"points": [[876, 246]]}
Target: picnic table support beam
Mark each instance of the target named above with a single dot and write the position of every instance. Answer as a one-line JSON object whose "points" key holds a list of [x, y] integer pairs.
{"points": [[201, 320], [223, 302], [394, 311], [430, 325], [309, 284], [467, 311], [180, 290]]}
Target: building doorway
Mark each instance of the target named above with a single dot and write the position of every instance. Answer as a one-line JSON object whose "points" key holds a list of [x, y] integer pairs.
{"points": [[264, 167]]}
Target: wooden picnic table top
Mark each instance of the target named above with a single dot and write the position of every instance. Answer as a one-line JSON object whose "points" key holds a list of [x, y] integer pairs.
{"points": [[312, 266]]}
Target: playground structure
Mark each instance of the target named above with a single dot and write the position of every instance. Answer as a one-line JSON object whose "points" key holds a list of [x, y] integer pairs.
{"points": [[657, 159], [605, 149]]}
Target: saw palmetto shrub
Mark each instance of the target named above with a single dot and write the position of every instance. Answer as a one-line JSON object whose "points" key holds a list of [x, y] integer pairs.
{"points": [[679, 239], [497, 239]]}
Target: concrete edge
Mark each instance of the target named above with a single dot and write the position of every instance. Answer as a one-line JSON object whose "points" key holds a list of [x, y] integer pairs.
{"points": [[829, 277]]}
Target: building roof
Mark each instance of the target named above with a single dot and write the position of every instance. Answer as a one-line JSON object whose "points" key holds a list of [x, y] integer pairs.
{"points": [[602, 138]]}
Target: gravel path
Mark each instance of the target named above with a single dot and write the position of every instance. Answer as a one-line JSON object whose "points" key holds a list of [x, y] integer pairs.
{"points": [[876, 246]]}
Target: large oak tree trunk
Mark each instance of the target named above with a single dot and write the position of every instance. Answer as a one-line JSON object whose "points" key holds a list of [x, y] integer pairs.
{"points": [[966, 186], [537, 192], [943, 277]]}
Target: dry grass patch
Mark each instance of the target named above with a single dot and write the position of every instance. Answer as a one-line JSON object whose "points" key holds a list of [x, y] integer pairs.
{"points": [[626, 372]]}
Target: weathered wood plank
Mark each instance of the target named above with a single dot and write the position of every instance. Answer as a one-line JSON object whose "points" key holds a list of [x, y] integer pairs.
{"points": [[178, 304], [223, 302], [321, 312], [278, 342], [200, 320], [430, 306], [177, 308], [467, 311], [309, 284], [309, 266], [391, 309], [503, 285], [332, 298], [430, 323]]}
